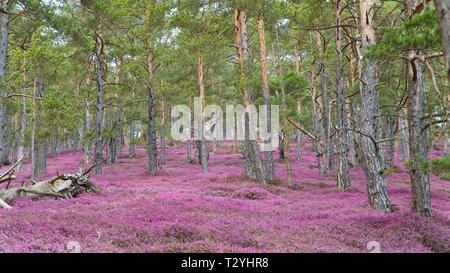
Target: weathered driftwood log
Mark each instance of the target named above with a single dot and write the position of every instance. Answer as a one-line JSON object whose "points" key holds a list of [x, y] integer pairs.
{"points": [[62, 186], [9, 174]]}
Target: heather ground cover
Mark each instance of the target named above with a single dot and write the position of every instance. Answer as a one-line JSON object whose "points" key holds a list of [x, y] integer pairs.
{"points": [[183, 210]]}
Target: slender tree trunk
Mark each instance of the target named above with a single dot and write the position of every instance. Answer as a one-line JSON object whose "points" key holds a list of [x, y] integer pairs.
{"points": [[132, 140], [403, 137], [299, 134], [33, 136], [99, 121], [189, 151], [41, 169], [109, 139], [443, 10], [376, 184], [87, 128], [162, 134], [325, 99], [316, 117], [38, 145], [389, 144], [151, 129], [420, 180], [4, 19], [254, 168], [343, 181], [132, 135], [268, 155], [201, 142], [21, 139]]}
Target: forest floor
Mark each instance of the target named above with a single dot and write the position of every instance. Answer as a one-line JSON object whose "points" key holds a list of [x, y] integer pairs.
{"points": [[183, 210]]}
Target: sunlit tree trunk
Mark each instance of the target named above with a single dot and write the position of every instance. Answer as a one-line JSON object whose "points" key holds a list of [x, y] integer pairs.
{"points": [[253, 162], [268, 155], [343, 181], [376, 184], [201, 143]]}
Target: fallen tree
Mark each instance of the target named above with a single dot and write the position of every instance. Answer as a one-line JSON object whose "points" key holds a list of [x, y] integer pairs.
{"points": [[62, 186]]}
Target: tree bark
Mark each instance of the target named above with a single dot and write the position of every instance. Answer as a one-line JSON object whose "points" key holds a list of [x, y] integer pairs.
{"points": [[99, 121], [268, 155], [403, 137], [376, 184], [324, 104], [4, 19], [299, 135], [151, 128], [343, 181], [316, 117], [254, 168], [87, 129], [39, 160], [162, 134], [443, 10], [418, 167], [201, 142]]}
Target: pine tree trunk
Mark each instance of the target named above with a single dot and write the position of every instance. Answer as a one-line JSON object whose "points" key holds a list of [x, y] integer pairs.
{"points": [[268, 155], [4, 19], [254, 168], [38, 145], [343, 181], [99, 121], [389, 142], [376, 184], [162, 134], [403, 137], [87, 130], [316, 117], [418, 167], [201, 141], [325, 109], [151, 132], [189, 151], [21, 134], [443, 10], [299, 135], [132, 140]]}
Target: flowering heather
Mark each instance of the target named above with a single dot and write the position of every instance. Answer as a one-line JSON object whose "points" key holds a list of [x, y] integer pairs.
{"points": [[183, 210]]}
